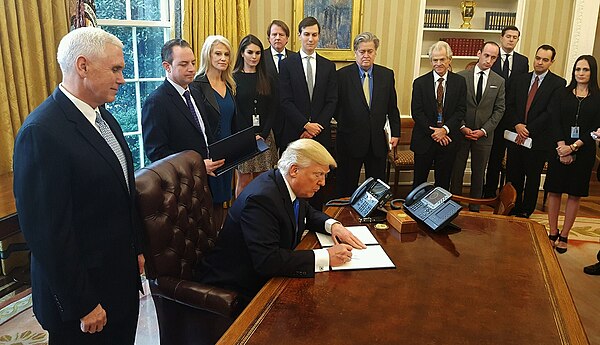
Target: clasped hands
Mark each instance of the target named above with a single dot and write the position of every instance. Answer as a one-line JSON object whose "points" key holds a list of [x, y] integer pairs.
{"points": [[564, 153], [344, 241], [472, 134], [440, 136], [311, 130]]}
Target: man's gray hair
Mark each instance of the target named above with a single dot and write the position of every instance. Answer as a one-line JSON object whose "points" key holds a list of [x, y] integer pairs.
{"points": [[366, 37], [439, 46], [303, 153], [85, 41]]}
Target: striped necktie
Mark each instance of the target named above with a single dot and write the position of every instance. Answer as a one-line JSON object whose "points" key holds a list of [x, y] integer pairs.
{"points": [[111, 140]]}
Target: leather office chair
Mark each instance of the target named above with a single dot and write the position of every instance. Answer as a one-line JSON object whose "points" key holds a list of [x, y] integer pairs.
{"points": [[502, 204], [175, 206]]}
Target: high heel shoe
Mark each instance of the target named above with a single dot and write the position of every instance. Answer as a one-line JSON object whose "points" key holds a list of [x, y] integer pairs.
{"points": [[553, 238], [561, 250]]}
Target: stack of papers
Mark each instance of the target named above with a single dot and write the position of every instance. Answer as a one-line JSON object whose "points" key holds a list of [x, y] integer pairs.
{"points": [[372, 257]]}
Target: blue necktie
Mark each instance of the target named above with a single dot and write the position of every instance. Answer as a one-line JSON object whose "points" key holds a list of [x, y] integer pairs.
{"points": [[296, 211], [188, 101], [279, 58]]}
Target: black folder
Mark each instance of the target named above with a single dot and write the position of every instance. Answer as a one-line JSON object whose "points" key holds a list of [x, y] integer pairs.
{"points": [[236, 148]]}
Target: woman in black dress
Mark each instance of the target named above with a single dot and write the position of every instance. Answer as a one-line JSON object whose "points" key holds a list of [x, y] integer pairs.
{"points": [[575, 113], [257, 103]]}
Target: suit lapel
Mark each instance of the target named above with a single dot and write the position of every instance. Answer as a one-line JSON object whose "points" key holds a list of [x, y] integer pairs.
{"points": [[470, 78], [297, 69], [355, 81], [285, 199], [180, 103], [89, 133], [542, 89]]}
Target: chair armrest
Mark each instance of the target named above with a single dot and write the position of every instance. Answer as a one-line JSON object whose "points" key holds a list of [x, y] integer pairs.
{"points": [[198, 295]]}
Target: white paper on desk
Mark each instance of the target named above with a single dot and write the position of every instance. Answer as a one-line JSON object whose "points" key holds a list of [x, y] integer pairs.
{"points": [[372, 257], [512, 136], [361, 232]]}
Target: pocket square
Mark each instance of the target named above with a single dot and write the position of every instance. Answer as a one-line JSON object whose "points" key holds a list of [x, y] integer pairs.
{"points": [[493, 87]]}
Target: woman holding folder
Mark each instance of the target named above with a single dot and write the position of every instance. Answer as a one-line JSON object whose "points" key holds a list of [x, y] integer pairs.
{"points": [[257, 103], [215, 81]]}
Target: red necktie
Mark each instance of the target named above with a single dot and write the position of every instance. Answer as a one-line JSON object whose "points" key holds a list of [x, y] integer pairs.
{"points": [[440, 101], [531, 95]]}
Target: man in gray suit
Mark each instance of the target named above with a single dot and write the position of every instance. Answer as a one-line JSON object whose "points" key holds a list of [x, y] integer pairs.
{"points": [[485, 108]]}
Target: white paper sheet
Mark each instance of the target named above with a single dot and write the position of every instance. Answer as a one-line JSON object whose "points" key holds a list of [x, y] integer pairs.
{"points": [[372, 257], [361, 232], [512, 136]]}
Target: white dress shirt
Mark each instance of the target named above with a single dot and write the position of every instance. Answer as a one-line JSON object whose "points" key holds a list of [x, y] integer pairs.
{"points": [[86, 109], [275, 58]]}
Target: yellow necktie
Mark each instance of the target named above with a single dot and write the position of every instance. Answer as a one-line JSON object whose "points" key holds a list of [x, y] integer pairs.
{"points": [[366, 90]]}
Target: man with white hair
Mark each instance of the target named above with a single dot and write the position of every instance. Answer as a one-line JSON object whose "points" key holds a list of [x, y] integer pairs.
{"points": [[267, 220], [74, 189], [438, 107]]}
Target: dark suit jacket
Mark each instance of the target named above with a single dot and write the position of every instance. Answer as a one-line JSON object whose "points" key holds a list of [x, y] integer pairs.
{"points": [[270, 63], [168, 125], [538, 119], [212, 111], [279, 121], [488, 113], [520, 66], [358, 126], [296, 104], [424, 109], [258, 239], [77, 215]]}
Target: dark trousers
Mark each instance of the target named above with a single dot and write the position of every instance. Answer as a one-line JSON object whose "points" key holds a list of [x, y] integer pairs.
{"points": [[524, 169], [442, 158], [348, 171], [494, 167], [120, 332]]}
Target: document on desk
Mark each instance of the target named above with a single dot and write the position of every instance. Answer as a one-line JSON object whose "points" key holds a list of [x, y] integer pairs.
{"points": [[361, 232], [512, 136], [372, 257]]}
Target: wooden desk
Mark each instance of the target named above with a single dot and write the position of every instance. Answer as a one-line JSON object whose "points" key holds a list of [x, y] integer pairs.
{"points": [[497, 281]]}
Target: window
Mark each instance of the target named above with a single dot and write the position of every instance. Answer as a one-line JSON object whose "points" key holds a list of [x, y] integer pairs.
{"points": [[143, 26]]}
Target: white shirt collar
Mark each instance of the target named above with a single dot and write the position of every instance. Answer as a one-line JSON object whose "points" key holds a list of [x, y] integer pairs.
{"points": [[303, 54], [84, 108], [177, 87], [503, 52], [275, 52], [289, 188], [477, 70], [437, 76]]}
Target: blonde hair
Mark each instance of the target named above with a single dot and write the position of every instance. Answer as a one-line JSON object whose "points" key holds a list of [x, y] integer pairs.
{"points": [[303, 153], [207, 49]]}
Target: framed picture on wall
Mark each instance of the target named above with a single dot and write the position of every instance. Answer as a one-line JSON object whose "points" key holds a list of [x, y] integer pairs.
{"points": [[340, 22]]}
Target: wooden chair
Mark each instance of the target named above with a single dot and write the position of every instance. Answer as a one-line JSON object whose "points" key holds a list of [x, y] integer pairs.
{"points": [[502, 204], [401, 160]]}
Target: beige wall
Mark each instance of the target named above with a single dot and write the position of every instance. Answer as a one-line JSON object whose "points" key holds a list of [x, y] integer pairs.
{"points": [[396, 21]]}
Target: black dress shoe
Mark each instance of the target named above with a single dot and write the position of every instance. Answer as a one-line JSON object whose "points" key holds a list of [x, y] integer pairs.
{"points": [[592, 269], [521, 215]]}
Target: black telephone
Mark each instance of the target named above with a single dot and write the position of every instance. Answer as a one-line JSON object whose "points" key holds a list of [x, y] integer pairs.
{"points": [[431, 205], [371, 195]]}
